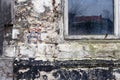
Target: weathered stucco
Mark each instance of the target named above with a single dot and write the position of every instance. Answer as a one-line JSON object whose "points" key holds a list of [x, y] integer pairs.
{"points": [[38, 33], [6, 69], [44, 21]]}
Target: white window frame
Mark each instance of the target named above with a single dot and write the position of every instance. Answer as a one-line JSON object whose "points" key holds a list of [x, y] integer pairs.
{"points": [[116, 34]]}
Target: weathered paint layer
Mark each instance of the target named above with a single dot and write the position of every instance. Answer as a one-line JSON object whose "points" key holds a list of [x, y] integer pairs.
{"points": [[39, 34]]}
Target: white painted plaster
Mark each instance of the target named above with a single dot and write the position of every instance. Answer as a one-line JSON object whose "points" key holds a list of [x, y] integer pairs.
{"points": [[21, 1], [39, 5]]}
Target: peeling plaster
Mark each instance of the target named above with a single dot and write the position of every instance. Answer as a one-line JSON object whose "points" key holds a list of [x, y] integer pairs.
{"points": [[33, 14], [39, 5], [47, 15]]}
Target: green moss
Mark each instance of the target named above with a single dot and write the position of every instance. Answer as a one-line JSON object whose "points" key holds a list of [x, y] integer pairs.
{"points": [[92, 50]]}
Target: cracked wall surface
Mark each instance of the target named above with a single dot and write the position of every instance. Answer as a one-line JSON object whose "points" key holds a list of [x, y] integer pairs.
{"points": [[38, 33]]}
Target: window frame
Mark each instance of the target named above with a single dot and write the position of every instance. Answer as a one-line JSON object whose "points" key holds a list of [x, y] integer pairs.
{"points": [[116, 34]]}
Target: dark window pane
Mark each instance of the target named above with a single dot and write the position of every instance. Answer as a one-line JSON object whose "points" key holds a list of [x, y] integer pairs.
{"points": [[91, 17]]}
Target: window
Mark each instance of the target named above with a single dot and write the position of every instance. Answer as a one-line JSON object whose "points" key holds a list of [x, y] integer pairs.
{"points": [[96, 19]]}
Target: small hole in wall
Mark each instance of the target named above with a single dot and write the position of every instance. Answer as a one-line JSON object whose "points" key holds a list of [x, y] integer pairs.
{"points": [[8, 32], [45, 77], [1, 51]]}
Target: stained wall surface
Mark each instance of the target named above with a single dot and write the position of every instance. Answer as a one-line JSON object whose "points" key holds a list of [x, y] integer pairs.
{"points": [[38, 33]]}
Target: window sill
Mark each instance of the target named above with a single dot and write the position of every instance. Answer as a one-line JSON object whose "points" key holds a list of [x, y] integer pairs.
{"points": [[94, 38]]}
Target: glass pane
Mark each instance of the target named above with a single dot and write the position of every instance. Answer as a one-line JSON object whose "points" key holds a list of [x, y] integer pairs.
{"points": [[91, 17]]}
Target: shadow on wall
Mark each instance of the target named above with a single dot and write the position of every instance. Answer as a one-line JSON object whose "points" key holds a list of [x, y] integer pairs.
{"points": [[77, 74], [64, 70], [92, 74]]}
